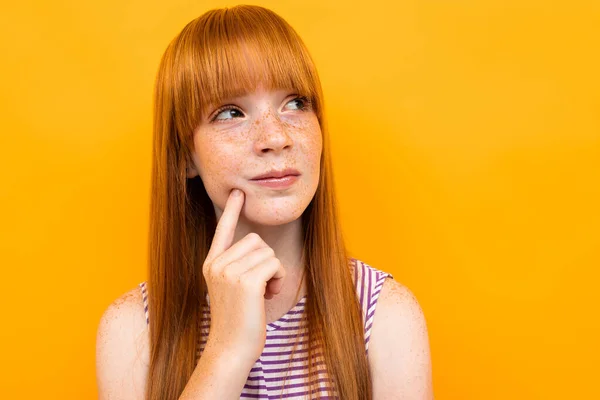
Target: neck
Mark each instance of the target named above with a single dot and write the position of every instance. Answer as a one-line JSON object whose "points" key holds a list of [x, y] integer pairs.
{"points": [[286, 240]]}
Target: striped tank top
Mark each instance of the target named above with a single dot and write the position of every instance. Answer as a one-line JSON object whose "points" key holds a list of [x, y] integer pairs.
{"points": [[275, 374]]}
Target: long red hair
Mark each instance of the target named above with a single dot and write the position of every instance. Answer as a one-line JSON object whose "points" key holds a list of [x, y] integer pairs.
{"points": [[224, 53]]}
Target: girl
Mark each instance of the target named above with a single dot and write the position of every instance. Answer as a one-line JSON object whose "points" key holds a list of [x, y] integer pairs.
{"points": [[251, 293]]}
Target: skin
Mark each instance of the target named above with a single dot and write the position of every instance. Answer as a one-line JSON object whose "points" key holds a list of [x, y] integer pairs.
{"points": [[268, 132], [264, 130], [399, 354]]}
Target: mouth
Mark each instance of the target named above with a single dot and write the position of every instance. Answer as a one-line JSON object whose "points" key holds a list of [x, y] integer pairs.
{"points": [[277, 182], [277, 174]]}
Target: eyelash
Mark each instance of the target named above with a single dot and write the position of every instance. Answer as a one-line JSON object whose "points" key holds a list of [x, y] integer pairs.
{"points": [[305, 107]]}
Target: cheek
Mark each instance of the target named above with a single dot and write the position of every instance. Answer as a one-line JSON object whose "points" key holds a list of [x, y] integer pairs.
{"points": [[218, 167], [313, 145]]}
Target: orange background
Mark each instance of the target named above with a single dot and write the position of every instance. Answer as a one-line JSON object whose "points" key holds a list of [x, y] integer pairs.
{"points": [[466, 141]]}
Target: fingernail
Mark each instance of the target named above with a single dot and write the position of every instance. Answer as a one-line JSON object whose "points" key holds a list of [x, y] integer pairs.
{"points": [[237, 192]]}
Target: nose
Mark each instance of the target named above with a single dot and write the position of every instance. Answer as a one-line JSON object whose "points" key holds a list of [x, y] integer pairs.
{"points": [[272, 134]]}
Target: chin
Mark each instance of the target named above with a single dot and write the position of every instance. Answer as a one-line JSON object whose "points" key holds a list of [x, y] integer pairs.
{"points": [[275, 210]]}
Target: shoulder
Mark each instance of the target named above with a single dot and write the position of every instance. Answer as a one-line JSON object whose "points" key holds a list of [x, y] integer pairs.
{"points": [[368, 281], [122, 351], [399, 357]]}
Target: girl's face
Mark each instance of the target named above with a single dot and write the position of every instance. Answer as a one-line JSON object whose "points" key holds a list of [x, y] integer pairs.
{"points": [[252, 135]]}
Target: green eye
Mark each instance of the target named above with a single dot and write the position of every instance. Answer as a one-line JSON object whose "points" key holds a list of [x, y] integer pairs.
{"points": [[305, 103], [222, 110]]}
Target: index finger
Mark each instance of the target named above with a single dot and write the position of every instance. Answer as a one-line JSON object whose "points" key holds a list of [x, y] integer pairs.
{"points": [[226, 226]]}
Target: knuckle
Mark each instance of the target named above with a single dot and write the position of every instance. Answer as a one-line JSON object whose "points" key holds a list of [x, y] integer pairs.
{"points": [[255, 238], [248, 284], [269, 251], [206, 268], [229, 275], [274, 262]]}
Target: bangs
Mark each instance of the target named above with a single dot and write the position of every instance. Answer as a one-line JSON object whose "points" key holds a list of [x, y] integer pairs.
{"points": [[236, 50], [242, 67]]}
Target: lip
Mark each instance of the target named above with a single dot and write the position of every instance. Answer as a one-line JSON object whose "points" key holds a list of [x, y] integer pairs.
{"points": [[277, 174], [277, 183]]}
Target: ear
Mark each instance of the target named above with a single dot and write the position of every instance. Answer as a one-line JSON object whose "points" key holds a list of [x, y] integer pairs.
{"points": [[191, 172]]}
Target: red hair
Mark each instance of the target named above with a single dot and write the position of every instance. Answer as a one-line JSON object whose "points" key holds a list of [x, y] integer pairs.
{"points": [[208, 61]]}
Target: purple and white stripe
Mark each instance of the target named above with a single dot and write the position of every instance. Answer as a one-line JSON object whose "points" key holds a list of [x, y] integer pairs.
{"points": [[369, 282], [278, 374], [145, 298]]}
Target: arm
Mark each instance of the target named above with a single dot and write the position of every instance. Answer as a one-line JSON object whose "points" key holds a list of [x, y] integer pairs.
{"points": [[217, 376], [122, 359], [399, 355], [122, 349]]}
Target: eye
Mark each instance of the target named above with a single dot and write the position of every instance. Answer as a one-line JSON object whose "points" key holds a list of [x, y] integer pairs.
{"points": [[223, 110], [304, 103]]}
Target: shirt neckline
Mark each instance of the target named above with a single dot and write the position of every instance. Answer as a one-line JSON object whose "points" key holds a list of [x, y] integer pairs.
{"points": [[295, 311]]}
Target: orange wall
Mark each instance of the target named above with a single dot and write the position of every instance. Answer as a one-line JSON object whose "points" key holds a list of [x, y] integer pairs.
{"points": [[466, 142]]}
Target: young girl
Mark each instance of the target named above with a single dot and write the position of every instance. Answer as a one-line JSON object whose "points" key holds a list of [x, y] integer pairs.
{"points": [[251, 293]]}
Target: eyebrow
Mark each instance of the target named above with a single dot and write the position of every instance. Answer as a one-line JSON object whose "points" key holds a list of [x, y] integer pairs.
{"points": [[238, 94]]}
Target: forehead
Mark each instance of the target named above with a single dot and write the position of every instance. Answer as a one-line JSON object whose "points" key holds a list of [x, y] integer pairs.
{"points": [[258, 90]]}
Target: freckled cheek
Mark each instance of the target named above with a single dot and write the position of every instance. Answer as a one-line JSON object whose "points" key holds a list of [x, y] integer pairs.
{"points": [[314, 147], [310, 155], [221, 170]]}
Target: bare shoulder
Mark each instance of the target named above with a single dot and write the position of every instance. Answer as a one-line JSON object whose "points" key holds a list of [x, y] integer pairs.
{"points": [[122, 351], [399, 354]]}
